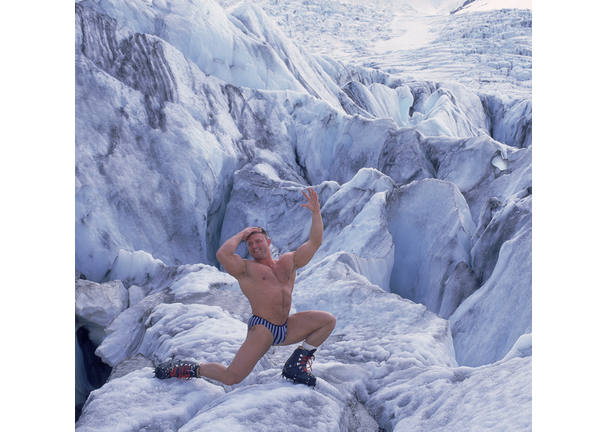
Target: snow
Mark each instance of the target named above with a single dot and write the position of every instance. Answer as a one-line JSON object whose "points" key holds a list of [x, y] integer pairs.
{"points": [[479, 46], [415, 34], [414, 127], [486, 5], [388, 356], [100, 304], [150, 402]]}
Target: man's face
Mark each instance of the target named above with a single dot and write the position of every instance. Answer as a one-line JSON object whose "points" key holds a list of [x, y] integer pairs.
{"points": [[259, 246]]}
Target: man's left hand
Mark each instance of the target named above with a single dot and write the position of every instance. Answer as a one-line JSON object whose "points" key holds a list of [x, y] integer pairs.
{"points": [[312, 198]]}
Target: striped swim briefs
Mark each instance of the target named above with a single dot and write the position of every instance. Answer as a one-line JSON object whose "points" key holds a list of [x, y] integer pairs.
{"points": [[279, 332]]}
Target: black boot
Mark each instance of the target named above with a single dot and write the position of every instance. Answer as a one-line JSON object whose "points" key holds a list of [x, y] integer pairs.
{"points": [[176, 369], [296, 368]]}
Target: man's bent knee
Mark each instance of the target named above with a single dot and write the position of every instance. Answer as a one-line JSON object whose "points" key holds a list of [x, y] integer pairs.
{"points": [[331, 320], [332, 323]]}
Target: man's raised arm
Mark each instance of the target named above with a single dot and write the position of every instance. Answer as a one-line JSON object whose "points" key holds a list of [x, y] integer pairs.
{"points": [[232, 263], [306, 251]]}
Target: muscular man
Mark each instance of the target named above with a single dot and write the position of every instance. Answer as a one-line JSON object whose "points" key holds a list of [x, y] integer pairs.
{"points": [[268, 284]]}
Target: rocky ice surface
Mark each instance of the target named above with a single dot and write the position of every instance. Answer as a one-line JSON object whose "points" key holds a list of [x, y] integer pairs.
{"points": [[193, 122], [484, 44]]}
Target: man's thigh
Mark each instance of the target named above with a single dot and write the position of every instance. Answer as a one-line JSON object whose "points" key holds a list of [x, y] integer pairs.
{"points": [[301, 324], [258, 342]]}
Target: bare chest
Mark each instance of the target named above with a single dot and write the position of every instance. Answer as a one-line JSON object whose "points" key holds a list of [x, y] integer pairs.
{"points": [[269, 290], [278, 275]]}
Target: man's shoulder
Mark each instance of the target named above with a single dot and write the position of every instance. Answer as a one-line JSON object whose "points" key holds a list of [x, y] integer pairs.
{"points": [[288, 256], [286, 261]]}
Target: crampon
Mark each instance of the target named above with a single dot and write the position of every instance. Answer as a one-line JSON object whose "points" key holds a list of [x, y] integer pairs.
{"points": [[176, 369], [296, 367]]}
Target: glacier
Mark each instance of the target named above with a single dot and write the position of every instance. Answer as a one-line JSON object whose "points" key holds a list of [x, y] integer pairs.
{"points": [[197, 118]]}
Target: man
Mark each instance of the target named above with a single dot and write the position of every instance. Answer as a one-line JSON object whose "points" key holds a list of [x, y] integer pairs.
{"points": [[268, 285]]}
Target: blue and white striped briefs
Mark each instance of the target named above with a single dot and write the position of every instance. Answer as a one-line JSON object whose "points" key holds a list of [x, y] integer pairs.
{"points": [[279, 332]]}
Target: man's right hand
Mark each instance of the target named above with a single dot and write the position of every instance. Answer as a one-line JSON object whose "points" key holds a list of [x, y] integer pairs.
{"points": [[226, 254], [248, 231]]}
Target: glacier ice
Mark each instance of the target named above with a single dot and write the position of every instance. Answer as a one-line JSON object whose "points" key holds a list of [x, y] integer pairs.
{"points": [[431, 238], [389, 354], [192, 122]]}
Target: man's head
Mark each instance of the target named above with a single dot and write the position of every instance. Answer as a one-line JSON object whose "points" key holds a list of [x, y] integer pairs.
{"points": [[258, 244], [261, 231]]}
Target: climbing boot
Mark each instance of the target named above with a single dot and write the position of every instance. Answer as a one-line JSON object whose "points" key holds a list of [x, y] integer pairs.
{"points": [[176, 369], [296, 367]]}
